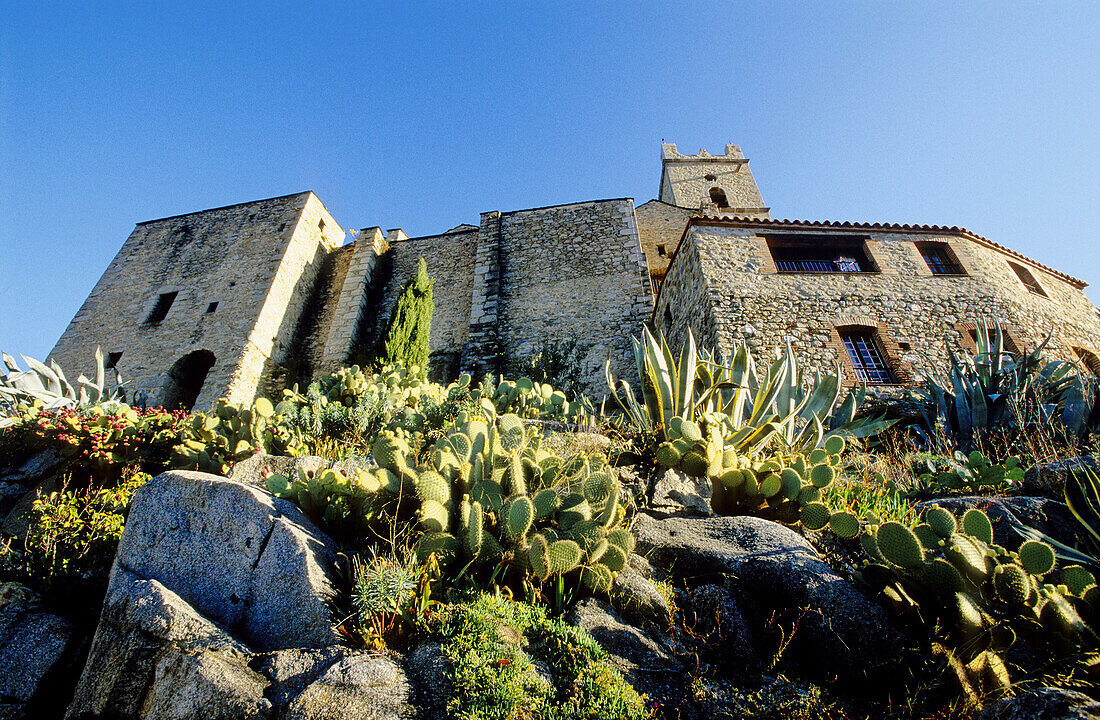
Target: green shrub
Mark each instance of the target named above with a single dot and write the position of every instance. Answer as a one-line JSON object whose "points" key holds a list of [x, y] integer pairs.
{"points": [[406, 338], [972, 473], [71, 543], [492, 646]]}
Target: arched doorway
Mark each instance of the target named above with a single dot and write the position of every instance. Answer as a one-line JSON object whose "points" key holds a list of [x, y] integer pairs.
{"points": [[185, 380]]}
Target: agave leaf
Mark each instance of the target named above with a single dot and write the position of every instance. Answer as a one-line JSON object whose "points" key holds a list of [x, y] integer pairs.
{"points": [[51, 382]]}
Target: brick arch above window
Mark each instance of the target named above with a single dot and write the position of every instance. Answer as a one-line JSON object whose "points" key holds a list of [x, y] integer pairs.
{"points": [[1013, 342], [1088, 359], [900, 372]]}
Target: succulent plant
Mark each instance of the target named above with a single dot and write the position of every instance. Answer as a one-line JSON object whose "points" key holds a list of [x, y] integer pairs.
{"points": [[490, 495], [976, 597], [231, 432]]}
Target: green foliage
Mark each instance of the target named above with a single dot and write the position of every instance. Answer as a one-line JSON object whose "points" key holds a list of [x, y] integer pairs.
{"points": [[349, 509], [47, 388], [101, 442], [233, 431], [405, 340], [973, 599], [493, 646], [971, 473], [994, 391], [538, 401], [555, 361], [389, 596], [492, 499], [782, 407], [70, 545]]}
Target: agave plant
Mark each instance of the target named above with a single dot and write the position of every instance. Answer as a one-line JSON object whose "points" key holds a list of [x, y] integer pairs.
{"points": [[781, 405], [48, 385], [994, 389]]}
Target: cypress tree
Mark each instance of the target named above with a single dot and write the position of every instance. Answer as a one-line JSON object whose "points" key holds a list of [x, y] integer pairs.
{"points": [[406, 338]]}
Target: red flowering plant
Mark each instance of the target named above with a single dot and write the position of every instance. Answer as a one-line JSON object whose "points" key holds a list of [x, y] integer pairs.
{"points": [[101, 441]]}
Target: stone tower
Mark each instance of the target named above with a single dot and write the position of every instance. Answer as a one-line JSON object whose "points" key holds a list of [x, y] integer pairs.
{"points": [[715, 184]]}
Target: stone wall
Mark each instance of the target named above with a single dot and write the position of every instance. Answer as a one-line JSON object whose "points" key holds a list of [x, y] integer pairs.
{"points": [[563, 272], [450, 261], [248, 258], [686, 180], [726, 267], [660, 227]]}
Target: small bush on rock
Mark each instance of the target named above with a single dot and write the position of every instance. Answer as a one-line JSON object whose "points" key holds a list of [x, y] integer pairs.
{"points": [[509, 660]]}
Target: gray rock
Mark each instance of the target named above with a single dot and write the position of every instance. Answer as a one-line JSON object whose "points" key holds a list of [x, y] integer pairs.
{"points": [[35, 468], [676, 493], [248, 561], [1043, 514], [33, 645], [640, 602], [429, 670], [9, 495], [1049, 479], [644, 663], [153, 656], [775, 574], [766, 698], [292, 670], [716, 618], [1045, 703], [359, 686], [18, 520]]}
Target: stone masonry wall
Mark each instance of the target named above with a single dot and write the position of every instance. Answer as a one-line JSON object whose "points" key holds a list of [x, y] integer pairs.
{"points": [[227, 255], [684, 302], [570, 271], [684, 179], [660, 227], [911, 310], [450, 261]]}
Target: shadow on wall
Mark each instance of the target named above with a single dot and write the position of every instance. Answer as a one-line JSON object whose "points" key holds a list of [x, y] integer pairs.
{"points": [[185, 380]]}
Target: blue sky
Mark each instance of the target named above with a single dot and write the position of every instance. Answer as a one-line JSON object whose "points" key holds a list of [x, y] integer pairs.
{"points": [[420, 116]]}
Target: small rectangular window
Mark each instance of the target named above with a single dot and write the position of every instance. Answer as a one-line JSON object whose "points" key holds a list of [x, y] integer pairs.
{"points": [[211, 307], [820, 254], [160, 310], [940, 259], [661, 250], [866, 356], [112, 360], [1028, 279]]}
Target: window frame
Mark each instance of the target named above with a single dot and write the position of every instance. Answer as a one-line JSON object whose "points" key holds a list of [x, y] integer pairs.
{"points": [[949, 265], [872, 350], [1024, 275], [849, 245]]}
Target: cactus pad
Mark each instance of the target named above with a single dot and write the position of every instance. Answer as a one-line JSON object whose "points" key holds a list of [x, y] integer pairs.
{"points": [[537, 556], [834, 445], [771, 485], [668, 455], [443, 545], [1076, 578], [942, 577], [614, 558], [694, 464], [623, 539], [434, 516], [791, 484], [929, 538], [563, 556], [844, 524], [597, 578], [546, 502], [732, 478], [432, 486], [900, 545], [518, 516], [822, 475], [814, 516], [976, 524], [1012, 584], [1036, 557], [968, 557], [941, 520], [574, 509], [690, 431]]}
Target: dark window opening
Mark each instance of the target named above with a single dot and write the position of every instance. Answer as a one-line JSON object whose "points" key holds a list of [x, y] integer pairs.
{"points": [[718, 197], [710, 177], [211, 307], [1007, 342], [282, 226], [820, 254], [867, 357], [112, 360], [668, 316], [320, 224], [940, 259], [661, 250], [160, 310], [185, 380], [1028, 279], [1089, 361]]}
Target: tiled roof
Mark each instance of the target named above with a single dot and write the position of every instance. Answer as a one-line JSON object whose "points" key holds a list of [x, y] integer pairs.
{"points": [[703, 218]]}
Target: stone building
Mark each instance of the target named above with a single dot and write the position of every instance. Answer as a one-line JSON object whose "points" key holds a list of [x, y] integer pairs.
{"points": [[246, 299]]}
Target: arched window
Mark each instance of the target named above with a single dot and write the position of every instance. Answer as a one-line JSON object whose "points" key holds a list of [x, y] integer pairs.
{"points": [[185, 380], [1088, 360], [718, 197]]}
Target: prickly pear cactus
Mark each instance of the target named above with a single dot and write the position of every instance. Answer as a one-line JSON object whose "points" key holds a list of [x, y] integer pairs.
{"points": [[491, 496], [231, 432], [976, 598]]}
